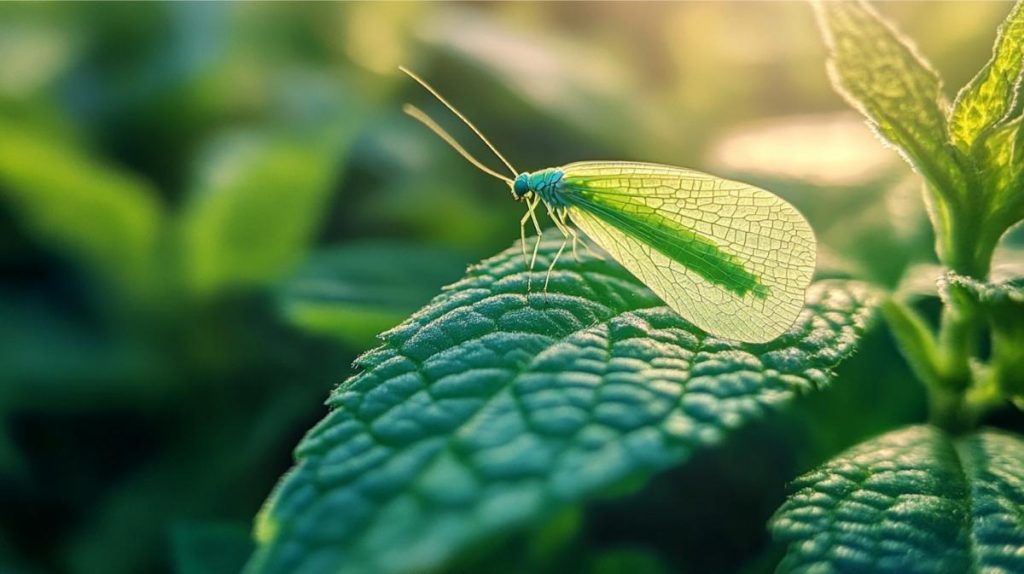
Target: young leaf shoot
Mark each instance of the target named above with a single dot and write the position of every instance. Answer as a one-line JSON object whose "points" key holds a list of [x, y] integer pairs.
{"points": [[733, 259]]}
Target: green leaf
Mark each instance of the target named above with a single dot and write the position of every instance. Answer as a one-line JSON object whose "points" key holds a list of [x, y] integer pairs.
{"points": [[1001, 158], [107, 220], [881, 74], [354, 291], [257, 200], [1001, 302], [915, 340], [913, 500], [999, 297], [492, 409], [989, 98]]}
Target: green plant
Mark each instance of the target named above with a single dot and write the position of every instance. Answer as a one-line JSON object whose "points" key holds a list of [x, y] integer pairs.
{"points": [[965, 154], [946, 497], [492, 410]]}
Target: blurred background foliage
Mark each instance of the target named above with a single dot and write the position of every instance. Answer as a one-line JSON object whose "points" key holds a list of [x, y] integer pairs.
{"points": [[208, 210]]}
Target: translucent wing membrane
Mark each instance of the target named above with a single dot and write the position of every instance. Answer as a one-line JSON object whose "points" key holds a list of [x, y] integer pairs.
{"points": [[733, 259]]}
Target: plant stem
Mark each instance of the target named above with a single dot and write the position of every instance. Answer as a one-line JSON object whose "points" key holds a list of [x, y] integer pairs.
{"points": [[967, 247], [959, 220], [949, 411], [942, 363], [915, 340], [957, 345]]}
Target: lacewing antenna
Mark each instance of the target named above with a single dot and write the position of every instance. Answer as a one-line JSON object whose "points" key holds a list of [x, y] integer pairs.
{"points": [[425, 120]]}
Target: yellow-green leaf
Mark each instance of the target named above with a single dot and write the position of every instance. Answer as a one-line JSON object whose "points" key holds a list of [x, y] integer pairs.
{"points": [[881, 74], [989, 97], [107, 220], [255, 205]]}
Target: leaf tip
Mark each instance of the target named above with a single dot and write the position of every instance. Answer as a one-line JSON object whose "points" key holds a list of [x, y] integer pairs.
{"points": [[266, 527]]}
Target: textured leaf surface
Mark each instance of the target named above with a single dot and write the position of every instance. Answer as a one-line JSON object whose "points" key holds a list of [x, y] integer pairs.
{"points": [[880, 73], [1001, 296], [1001, 154], [986, 122], [914, 500], [491, 409], [990, 95], [1001, 302]]}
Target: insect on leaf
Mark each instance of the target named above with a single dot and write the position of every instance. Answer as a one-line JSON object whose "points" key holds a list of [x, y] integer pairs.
{"points": [[492, 409]]}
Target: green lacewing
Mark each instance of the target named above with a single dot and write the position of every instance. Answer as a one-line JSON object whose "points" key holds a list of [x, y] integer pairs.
{"points": [[732, 259]]}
